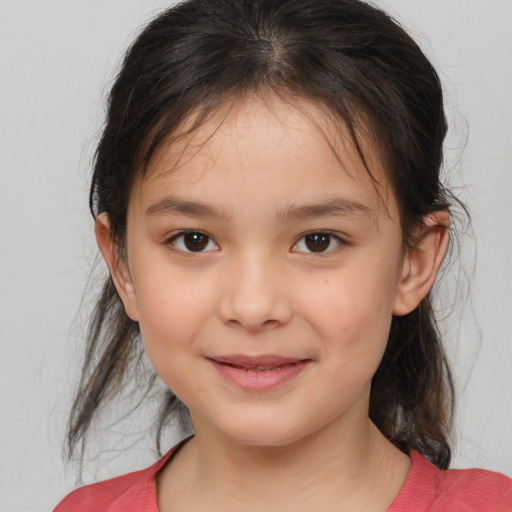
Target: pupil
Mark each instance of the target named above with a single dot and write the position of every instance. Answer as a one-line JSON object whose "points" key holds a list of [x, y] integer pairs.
{"points": [[195, 241], [318, 242]]}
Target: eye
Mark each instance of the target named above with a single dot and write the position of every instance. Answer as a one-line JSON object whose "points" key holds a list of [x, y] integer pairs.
{"points": [[318, 242], [192, 241]]}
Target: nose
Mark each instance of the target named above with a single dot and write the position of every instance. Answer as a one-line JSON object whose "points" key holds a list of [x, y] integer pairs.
{"points": [[255, 295]]}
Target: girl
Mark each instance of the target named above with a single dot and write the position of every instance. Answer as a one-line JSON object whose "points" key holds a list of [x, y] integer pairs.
{"points": [[267, 199]]}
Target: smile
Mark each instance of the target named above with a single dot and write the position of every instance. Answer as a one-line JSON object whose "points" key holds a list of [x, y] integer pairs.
{"points": [[258, 373]]}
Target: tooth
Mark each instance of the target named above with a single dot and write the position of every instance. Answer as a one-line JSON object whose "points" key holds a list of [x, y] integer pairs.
{"points": [[257, 368]]}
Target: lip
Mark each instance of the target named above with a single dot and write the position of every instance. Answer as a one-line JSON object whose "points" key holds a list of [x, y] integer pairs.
{"points": [[259, 373]]}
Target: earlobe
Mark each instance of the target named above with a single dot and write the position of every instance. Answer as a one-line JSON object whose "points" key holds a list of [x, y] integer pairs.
{"points": [[422, 262], [117, 265]]}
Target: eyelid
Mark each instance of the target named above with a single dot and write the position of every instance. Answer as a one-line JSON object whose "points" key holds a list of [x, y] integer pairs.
{"points": [[341, 241], [181, 233]]}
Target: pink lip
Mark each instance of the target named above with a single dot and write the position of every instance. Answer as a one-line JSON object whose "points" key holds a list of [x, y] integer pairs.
{"points": [[258, 373]]}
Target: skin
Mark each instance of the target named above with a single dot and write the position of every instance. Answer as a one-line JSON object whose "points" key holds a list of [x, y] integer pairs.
{"points": [[257, 289]]}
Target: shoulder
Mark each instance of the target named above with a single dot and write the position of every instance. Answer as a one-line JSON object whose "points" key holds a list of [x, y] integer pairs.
{"points": [[478, 489], [100, 496], [428, 488], [131, 492]]}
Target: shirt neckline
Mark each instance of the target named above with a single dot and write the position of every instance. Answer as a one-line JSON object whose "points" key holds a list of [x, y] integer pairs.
{"points": [[420, 478]]}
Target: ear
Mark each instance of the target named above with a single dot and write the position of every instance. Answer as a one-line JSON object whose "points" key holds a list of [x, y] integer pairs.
{"points": [[422, 262], [117, 264]]}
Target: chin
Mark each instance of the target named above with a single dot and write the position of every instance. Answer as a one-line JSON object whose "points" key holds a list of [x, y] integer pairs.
{"points": [[264, 433]]}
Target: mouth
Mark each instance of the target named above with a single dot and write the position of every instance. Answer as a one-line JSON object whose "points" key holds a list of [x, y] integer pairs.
{"points": [[258, 373]]}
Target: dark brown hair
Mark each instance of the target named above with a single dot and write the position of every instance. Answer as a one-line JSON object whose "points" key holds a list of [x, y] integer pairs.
{"points": [[361, 67]]}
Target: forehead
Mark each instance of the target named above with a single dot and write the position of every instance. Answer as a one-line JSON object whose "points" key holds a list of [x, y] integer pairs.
{"points": [[265, 139]]}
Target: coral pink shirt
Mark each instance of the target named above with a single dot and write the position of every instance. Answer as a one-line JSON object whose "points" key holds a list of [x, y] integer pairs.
{"points": [[426, 489]]}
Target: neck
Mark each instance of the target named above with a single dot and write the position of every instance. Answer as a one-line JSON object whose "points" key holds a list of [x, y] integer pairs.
{"points": [[341, 468]]}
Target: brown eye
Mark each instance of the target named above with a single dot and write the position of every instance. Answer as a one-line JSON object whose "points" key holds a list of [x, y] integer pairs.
{"points": [[318, 242], [193, 241]]}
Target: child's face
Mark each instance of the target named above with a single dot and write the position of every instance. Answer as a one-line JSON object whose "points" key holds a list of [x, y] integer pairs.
{"points": [[290, 263]]}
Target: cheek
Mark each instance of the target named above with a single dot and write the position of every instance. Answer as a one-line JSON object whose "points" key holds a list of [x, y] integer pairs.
{"points": [[354, 299], [170, 324], [171, 313], [352, 313]]}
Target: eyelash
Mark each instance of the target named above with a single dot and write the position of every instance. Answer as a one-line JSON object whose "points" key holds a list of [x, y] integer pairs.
{"points": [[326, 234], [204, 240], [181, 235]]}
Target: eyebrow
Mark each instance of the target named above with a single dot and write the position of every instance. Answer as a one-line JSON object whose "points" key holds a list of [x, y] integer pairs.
{"points": [[335, 206], [173, 205]]}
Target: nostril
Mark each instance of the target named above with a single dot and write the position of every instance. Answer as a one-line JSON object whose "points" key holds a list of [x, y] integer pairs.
{"points": [[254, 306], [265, 325], [270, 324]]}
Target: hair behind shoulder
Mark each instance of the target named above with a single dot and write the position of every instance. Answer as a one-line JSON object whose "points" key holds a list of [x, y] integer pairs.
{"points": [[345, 55]]}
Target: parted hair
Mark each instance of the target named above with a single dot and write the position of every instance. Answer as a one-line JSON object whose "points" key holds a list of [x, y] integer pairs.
{"points": [[370, 76]]}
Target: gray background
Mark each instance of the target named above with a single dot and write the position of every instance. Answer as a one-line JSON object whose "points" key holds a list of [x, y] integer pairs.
{"points": [[57, 59]]}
